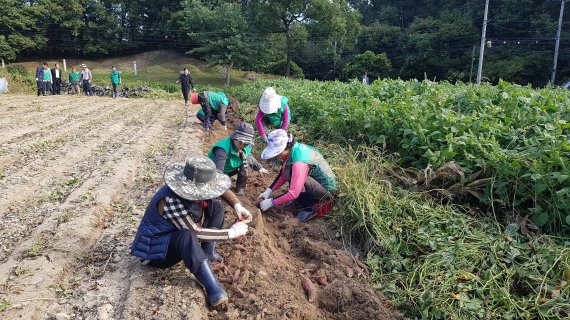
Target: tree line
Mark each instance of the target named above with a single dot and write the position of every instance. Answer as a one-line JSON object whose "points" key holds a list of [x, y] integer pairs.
{"points": [[317, 39]]}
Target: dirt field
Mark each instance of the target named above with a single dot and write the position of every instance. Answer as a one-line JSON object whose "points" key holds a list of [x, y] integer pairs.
{"points": [[76, 174]]}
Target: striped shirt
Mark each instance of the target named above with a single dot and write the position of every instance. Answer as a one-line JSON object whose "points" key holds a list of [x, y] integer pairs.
{"points": [[185, 217]]}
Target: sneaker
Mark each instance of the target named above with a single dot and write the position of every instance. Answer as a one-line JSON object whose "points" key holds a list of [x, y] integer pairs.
{"points": [[306, 215]]}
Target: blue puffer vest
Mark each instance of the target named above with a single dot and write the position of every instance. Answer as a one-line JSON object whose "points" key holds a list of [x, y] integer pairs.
{"points": [[153, 235]]}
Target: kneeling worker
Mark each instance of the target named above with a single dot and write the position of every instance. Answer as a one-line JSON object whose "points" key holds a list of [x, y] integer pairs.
{"points": [[312, 182], [214, 106], [232, 155], [170, 229]]}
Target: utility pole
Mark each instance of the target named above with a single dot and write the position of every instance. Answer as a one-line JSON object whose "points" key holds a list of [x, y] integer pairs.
{"points": [[482, 48], [555, 63], [472, 64]]}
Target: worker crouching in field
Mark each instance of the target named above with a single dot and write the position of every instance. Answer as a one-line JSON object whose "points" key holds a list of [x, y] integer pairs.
{"points": [[273, 110], [311, 179], [232, 155], [170, 229], [214, 106]]}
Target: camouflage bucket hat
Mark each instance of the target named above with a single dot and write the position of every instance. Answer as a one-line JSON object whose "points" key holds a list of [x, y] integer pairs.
{"points": [[197, 179]]}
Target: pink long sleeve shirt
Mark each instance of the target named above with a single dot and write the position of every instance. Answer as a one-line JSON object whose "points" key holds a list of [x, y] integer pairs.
{"points": [[299, 173], [259, 121]]}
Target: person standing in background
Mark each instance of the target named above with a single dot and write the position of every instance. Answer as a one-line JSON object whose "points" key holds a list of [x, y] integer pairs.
{"points": [[185, 81], [40, 78], [115, 81], [365, 79], [74, 80], [46, 79], [86, 79], [56, 76]]}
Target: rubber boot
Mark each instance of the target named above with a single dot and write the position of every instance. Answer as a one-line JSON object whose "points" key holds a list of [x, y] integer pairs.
{"points": [[210, 251], [306, 214], [214, 291]]}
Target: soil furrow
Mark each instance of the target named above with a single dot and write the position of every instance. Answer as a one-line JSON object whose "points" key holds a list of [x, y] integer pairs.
{"points": [[90, 221], [41, 173], [42, 124]]}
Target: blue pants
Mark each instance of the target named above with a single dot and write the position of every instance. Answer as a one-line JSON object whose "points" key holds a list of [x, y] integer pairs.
{"points": [[40, 87], [87, 88]]}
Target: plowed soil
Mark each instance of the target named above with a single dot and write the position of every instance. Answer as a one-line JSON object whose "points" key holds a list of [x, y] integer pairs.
{"points": [[76, 174]]}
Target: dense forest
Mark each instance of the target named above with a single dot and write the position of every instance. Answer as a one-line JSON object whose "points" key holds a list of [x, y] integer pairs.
{"points": [[315, 39]]}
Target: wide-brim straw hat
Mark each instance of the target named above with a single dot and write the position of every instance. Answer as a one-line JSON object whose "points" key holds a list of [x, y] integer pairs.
{"points": [[196, 179], [244, 133], [276, 142], [270, 101]]}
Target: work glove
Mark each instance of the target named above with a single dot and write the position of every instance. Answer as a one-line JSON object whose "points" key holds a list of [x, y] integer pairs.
{"points": [[265, 194], [263, 171], [238, 229], [266, 204], [243, 214]]}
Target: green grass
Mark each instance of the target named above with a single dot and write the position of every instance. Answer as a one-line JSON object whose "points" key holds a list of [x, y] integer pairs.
{"points": [[432, 261]]}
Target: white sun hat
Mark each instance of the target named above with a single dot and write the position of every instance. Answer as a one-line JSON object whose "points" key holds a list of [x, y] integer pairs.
{"points": [[270, 101], [276, 142]]}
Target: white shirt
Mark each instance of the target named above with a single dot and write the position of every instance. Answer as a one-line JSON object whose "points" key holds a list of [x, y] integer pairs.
{"points": [[57, 73], [85, 74]]}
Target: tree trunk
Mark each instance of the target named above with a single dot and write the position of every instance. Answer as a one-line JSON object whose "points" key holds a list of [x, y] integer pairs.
{"points": [[229, 71]]}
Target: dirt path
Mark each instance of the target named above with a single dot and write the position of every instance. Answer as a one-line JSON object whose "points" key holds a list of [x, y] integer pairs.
{"points": [[76, 175]]}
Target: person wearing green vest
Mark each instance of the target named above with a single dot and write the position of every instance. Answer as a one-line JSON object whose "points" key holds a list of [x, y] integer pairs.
{"points": [[232, 155], [115, 76], [312, 183], [214, 106], [46, 79], [273, 110], [74, 80]]}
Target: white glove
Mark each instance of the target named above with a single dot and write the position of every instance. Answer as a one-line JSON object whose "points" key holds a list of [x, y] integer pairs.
{"points": [[263, 171], [36, 79], [265, 193], [225, 128], [242, 213], [266, 204], [237, 230]]}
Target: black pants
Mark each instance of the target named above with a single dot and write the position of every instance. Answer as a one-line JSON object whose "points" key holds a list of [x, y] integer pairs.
{"points": [[312, 193], [56, 86], [184, 244], [185, 91], [242, 175]]}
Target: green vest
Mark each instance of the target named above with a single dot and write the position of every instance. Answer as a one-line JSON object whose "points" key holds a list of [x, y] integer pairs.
{"points": [[74, 77], [233, 161], [215, 98], [319, 168], [47, 75], [115, 76], [276, 119]]}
